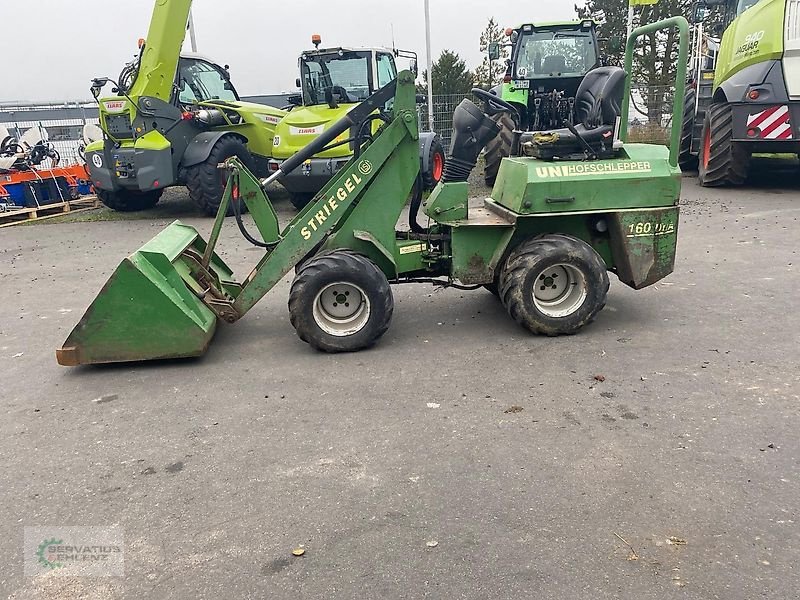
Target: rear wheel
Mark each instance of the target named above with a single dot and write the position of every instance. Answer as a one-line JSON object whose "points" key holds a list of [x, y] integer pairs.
{"points": [[129, 200], [554, 284], [499, 147], [687, 160], [340, 302], [722, 161], [206, 183], [433, 175]]}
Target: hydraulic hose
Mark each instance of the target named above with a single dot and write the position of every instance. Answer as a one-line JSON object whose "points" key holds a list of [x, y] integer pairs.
{"points": [[237, 213], [416, 203]]}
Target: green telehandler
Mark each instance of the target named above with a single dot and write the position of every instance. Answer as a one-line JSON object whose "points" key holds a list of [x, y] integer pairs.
{"points": [[174, 118], [569, 205], [743, 93]]}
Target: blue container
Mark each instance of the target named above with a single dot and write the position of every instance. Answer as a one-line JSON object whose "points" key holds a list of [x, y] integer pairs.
{"points": [[17, 193]]}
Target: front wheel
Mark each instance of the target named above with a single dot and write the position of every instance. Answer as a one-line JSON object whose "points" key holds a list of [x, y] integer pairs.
{"points": [[129, 200], [554, 284], [340, 302], [722, 161], [498, 147], [300, 199], [206, 182], [687, 160], [433, 174]]}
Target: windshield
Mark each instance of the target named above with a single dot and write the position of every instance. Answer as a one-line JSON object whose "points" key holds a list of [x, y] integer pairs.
{"points": [[744, 5], [347, 74], [554, 54], [199, 81]]}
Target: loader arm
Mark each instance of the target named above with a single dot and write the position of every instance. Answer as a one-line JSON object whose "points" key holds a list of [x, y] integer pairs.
{"points": [[161, 51], [394, 152]]}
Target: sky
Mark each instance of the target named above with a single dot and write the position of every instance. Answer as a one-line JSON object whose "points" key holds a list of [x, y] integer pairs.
{"points": [[61, 44]]}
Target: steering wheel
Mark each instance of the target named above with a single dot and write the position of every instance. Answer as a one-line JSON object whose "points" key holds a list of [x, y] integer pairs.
{"points": [[495, 104]]}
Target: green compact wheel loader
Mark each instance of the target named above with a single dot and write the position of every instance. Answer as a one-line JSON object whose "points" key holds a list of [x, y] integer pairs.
{"points": [[548, 62], [173, 119], [569, 206], [333, 81], [743, 94]]}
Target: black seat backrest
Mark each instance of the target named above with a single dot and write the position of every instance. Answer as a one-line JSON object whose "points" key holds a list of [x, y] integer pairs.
{"points": [[554, 63], [598, 100]]}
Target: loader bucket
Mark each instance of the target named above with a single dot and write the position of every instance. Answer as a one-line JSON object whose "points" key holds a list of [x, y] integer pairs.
{"points": [[147, 309]]}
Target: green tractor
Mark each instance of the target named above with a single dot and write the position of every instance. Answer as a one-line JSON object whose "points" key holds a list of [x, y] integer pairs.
{"points": [[743, 94], [173, 119], [569, 206], [333, 81], [548, 62]]}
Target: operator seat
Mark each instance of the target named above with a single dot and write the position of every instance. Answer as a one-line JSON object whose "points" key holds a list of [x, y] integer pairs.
{"points": [[554, 63], [598, 105]]}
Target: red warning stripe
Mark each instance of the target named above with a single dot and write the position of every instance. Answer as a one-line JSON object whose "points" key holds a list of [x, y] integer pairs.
{"points": [[763, 116], [782, 120]]}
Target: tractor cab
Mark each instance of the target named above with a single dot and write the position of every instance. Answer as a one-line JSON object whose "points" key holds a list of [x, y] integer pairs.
{"points": [[548, 63], [332, 81]]}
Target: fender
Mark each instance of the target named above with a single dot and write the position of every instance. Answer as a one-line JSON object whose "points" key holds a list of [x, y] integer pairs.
{"points": [[200, 147], [426, 140], [767, 76]]}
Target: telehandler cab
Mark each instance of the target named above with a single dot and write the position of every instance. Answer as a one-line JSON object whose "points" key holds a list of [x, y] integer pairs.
{"points": [[568, 206]]}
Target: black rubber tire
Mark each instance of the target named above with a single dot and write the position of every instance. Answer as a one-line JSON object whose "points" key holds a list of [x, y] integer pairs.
{"points": [[340, 266], [206, 182], [525, 267], [300, 199], [498, 148], [687, 160], [722, 161], [129, 200], [433, 175]]}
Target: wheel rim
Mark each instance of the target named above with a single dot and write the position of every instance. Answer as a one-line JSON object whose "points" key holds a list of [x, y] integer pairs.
{"points": [[559, 290], [341, 309], [706, 147], [438, 166]]}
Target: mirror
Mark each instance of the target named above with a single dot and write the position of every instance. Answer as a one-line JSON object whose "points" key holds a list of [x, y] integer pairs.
{"points": [[700, 13], [494, 51], [413, 67], [297, 82]]}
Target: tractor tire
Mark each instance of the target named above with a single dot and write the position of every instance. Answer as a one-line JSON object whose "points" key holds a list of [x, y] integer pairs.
{"points": [[687, 160], [498, 148], [722, 161], [206, 183], [300, 199], [129, 200], [433, 176], [321, 306], [554, 284]]}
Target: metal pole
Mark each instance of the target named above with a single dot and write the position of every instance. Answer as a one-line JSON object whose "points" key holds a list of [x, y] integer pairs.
{"points": [[430, 63], [630, 18], [192, 37]]}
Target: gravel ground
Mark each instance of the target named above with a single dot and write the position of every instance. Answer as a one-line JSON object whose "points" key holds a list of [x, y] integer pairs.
{"points": [[460, 458]]}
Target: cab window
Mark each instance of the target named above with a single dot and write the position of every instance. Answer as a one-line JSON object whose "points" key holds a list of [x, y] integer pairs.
{"points": [[386, 69], [199, 81]]}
